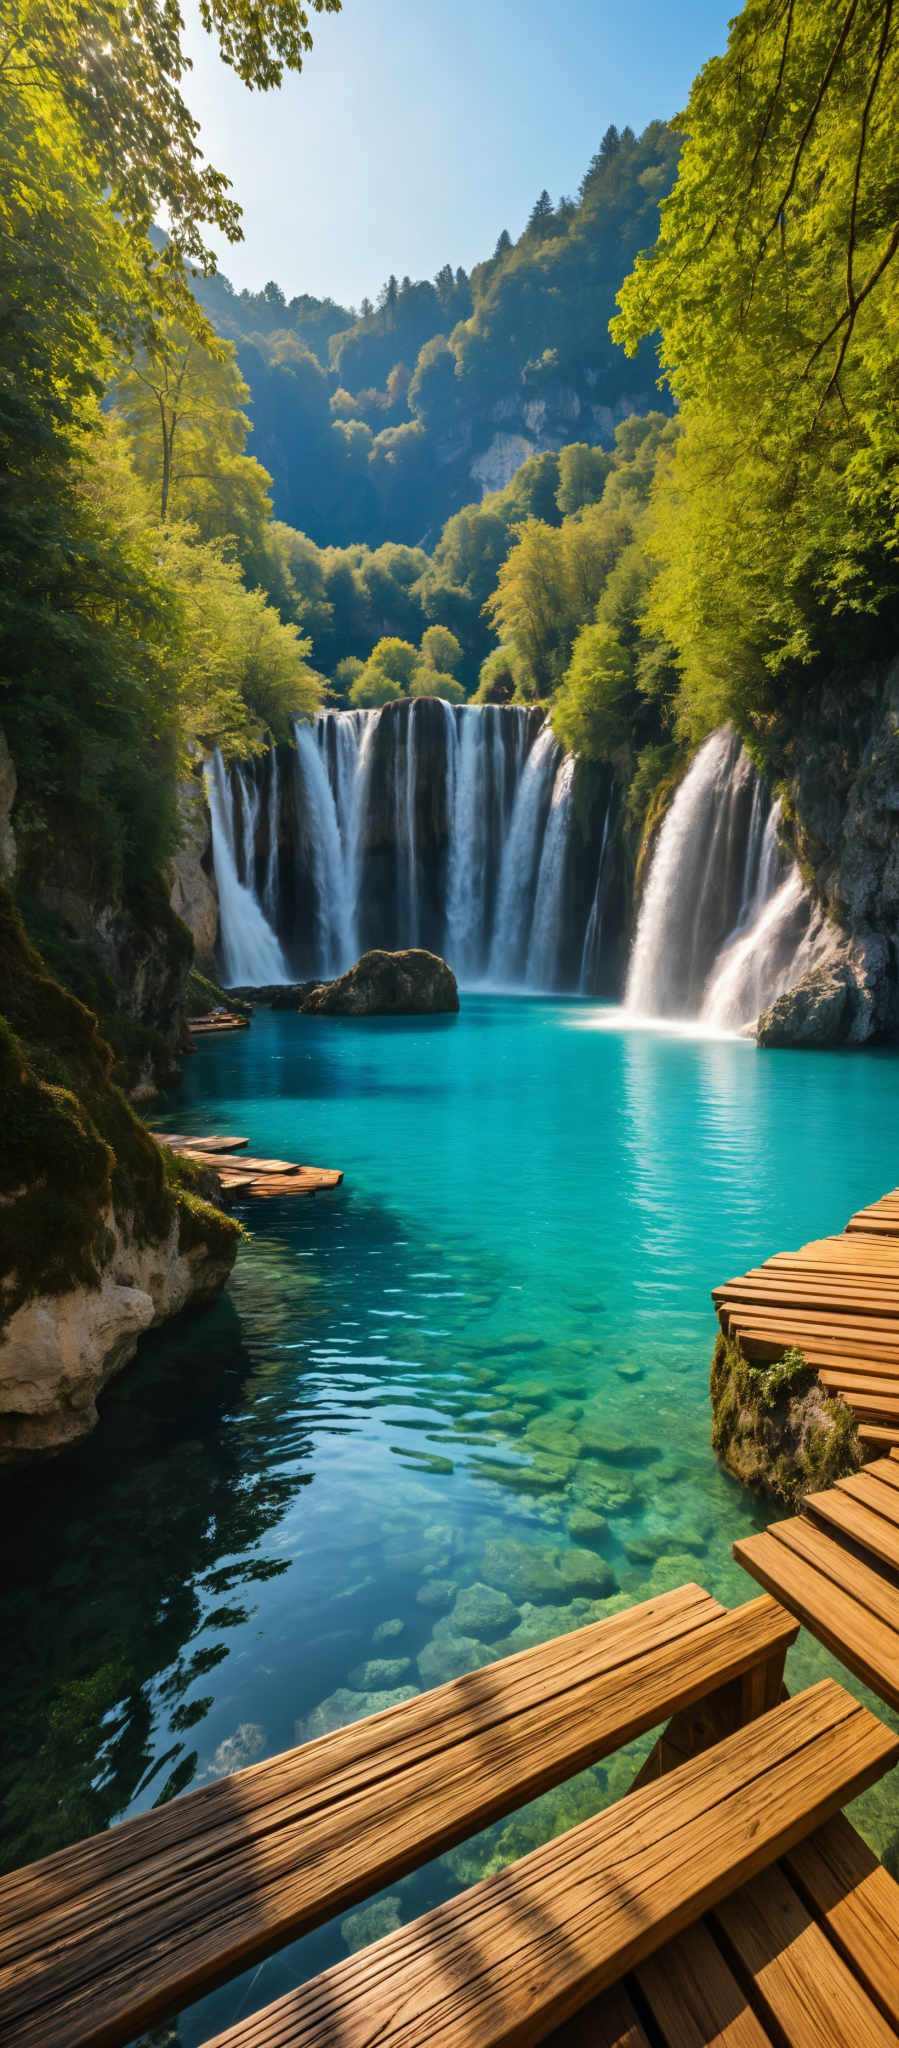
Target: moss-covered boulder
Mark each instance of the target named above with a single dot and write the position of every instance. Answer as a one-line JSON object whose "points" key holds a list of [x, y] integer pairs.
{"points": [[774, 1427], [103, 1233], [408, 983]]}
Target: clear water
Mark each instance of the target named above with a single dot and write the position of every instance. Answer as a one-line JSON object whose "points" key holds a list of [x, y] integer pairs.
{"points": [[484, 1362]]}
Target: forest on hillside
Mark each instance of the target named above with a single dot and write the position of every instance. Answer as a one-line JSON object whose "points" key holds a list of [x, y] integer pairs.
{"points": [[644, 580]]}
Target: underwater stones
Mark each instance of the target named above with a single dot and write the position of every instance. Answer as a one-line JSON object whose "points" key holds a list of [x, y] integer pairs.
{"points": [[523, 1571], [408, 983], [512, 1420], [448, 1655], [436, 1593], [378, 1672], [627, 1371], [584, 1572], [660, 1543], [585, 1525], [343, 1706], [543, 1475], [483, 1611], [371, 1923], [676, 1568], [608, 1496], [556, 1438], [612, 1449], [386, 1630]]}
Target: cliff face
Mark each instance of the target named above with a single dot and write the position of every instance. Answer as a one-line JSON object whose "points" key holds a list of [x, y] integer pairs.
{"points": [[102, 1233], [842, 777], [524, 423], [194, 898]]}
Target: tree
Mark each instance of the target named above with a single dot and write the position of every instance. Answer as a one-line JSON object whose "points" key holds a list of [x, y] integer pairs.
{"points": [[441, 650], [504, 243], [540, 218], [181, 404], [387, 673], [774, 284], [433, 682]]}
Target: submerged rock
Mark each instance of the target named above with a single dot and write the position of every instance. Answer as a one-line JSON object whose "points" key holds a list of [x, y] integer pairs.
{"points": [[378, 1672], [483, 1611], [584, 1572], [343, 1706], [408, 983], [371, 1922]]}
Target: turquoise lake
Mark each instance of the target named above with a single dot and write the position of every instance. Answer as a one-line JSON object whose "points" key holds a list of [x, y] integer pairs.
{"points": [[482, 1364]]}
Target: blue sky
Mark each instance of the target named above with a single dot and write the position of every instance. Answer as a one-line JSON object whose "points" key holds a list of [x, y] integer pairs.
{"points": [[419, 128]]}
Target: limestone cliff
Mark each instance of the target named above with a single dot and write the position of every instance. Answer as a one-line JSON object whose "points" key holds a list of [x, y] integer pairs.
{"points": [[194, 897], [102, 1233]]}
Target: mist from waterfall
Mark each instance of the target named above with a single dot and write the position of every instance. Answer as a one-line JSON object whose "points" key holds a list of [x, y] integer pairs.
{"points": [[725, 926]]}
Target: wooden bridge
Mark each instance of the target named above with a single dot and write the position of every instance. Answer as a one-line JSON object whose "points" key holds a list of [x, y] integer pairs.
{"points": [[837, 1301], [724, 1903]]}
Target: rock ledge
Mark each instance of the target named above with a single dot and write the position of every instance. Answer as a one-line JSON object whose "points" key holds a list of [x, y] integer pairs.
{"points": [[407, 984]]}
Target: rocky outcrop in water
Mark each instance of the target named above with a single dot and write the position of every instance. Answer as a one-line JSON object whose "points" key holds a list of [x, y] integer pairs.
{"points": [[101, 1235], [775, 1429], [58, 1351], [816, 1012], [412, 983]]}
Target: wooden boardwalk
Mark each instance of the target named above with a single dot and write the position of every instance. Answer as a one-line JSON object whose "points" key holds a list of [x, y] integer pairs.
{"points": [[837, 1301], [725, 1902], [243, 1175], [836, 1567]]}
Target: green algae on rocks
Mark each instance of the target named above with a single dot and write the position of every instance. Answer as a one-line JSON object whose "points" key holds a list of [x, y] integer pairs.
{"points": [[774, 1427]]}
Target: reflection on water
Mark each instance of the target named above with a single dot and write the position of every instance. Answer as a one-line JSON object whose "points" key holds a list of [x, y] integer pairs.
{"points": [[456, 1409]]}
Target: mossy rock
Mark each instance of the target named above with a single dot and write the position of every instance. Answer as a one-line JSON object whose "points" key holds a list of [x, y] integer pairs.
{"points": [[775, 1429], [73, 1153]]}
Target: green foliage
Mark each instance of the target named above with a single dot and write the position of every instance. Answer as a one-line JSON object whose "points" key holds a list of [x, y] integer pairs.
{"points": [[773, 282], [387, 673], [775, 1429]]}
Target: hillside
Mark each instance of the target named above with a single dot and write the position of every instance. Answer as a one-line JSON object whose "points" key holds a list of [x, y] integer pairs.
{"points": [[379, 427]]}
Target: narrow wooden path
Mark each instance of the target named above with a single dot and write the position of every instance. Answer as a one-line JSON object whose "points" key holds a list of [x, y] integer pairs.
{"points": [[837, 1301], [247, 1176]]}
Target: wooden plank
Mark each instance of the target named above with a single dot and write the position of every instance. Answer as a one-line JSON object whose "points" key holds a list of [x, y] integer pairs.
{"points": [[794, 1561], [873, 1491], [609, 2022], [863, 1578], [806, 1990], [856, 1899], [694, 1997], [223, 1161], [863, 1297], [875, 1438], [175, 1139], [868, 1407], [99, 1940], [525, 1949], [851, 1517]]}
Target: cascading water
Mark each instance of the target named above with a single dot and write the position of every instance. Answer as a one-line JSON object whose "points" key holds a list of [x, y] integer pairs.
{"points": [[423, 823], [722, 929], [543, 952], [520, 860], [250, 951], [590, 955]]}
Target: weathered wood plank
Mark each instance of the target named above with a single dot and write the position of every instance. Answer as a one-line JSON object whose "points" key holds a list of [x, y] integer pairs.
{"points": [[522, 1951], [100, 1940], [806, 1989], [832, 1594], [856, 1899], [694, 1997]]}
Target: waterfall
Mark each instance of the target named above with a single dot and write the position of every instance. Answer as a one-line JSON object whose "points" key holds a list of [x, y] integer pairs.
{"points": [[521, 854], [321, 834], [722, 930], [590, 955], [251, 954], [419, 823], [543, 952]]}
